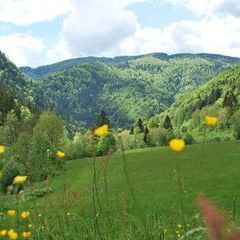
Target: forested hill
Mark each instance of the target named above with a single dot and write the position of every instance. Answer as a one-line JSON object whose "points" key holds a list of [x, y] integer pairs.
{"points": [[121, 61], [16, 101], [12, 78], [127, 88], [219, 97]]}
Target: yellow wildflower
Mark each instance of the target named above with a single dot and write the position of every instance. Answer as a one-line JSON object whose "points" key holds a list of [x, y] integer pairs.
{"points": [[2, 149], [177, 145], [60, 154], [211, 121], [27, 234], [12, 234], [18, 180], [101, 131], [3, 233], [25, 214], [11, 213]]}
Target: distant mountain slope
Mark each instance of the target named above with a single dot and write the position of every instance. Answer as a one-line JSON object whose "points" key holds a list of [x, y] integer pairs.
{"points": [[44, 70], [16, 97], [128, 88], [11, 77], [219, 97]]}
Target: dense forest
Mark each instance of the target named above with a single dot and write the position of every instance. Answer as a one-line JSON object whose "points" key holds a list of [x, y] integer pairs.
{"points": [[127, 88], [218, 97]]}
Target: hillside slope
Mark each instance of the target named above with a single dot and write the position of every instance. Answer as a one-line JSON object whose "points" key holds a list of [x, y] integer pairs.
{"points": [[11, 77], [219, 97], [128, 88]]}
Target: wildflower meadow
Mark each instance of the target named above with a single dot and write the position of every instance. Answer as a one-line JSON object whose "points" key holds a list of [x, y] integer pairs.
{"points": [[148, 193]]}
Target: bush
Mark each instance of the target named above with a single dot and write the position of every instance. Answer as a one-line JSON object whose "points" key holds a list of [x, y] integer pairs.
{"points": [[188, 138], [236, 124], [106, 143], [10, 171], [81, 146], [158, 136], [40, 165]]}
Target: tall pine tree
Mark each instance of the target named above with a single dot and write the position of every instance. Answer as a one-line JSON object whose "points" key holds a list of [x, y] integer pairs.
{"points": [[167, 123], [102, 119], [140, 125]]}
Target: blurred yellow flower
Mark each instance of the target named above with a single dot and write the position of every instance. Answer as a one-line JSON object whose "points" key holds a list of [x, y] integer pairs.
{"points": [[3, 233], [60, 154], [11, 213], [25, 214], [27, 234], [2, 149], [211, 121], [177, 145], [18, 180], [12, 234], [101, 131]]}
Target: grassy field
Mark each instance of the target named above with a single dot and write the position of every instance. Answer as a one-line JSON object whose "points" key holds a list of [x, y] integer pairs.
{"points": [[155, 173], [165, 186]]}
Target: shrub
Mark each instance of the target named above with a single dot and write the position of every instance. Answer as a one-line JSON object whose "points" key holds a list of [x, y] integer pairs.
{"points": [[40, 164], [236, 124], [10, 171], [188, 138], [106, 143]]}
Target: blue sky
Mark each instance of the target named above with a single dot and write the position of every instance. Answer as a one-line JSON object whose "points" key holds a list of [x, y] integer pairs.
{"points": [[34, 32]]}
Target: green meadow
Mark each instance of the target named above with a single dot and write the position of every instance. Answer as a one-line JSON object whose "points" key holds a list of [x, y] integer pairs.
{"points": [[156, 189]]}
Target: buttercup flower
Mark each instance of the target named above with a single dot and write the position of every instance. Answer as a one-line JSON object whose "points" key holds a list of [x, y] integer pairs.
{"points": [[12, 234], [18, 180], [25, 214], [60, 154], [3, 233], [11, 213], [177, 145], [27, 234], [2, 149], [101, 131], [211, 121]]}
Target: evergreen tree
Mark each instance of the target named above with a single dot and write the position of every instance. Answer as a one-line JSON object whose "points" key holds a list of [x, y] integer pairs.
{"points": [[140, 125], [230, 102], [214, 96], [131, 131], [145, 136], [102, 119], [167, 123]]}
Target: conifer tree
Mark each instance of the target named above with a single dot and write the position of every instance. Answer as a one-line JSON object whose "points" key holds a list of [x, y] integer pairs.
{"points": [[167, 123], [140, 125], [102, 119]]}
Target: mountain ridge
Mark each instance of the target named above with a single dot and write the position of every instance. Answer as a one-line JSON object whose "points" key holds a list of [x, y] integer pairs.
{"points": [[49, 68]]}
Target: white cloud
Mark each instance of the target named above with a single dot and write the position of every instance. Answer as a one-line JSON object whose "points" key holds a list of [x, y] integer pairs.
{"points": [[96, 27], [22, 49], [113, 30], [108, 28], [26, 12], [212, 35], [210, 7]]}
